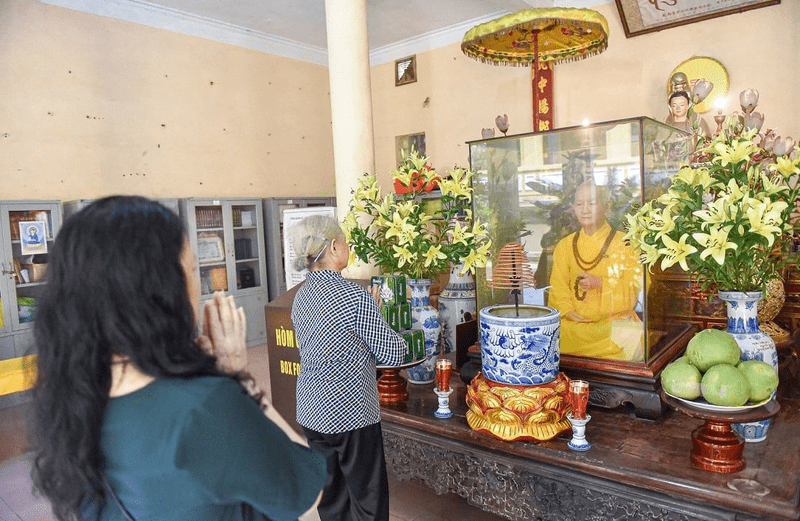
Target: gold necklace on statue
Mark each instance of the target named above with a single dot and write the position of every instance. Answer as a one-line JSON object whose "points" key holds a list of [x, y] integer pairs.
{"points": [[586, 265]]}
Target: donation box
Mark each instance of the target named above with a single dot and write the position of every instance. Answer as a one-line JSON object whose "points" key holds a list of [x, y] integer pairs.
{"points": [[284, 356]]}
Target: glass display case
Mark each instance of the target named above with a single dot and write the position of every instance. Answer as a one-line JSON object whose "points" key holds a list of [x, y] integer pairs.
{"points": [[228, 238], [564, 196]]}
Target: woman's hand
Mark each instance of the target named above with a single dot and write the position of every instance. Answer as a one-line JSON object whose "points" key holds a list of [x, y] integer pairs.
{"points": [[375, 292], [224, 333]]}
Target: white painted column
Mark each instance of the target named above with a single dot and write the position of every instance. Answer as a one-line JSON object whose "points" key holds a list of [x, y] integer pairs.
{"points": [[351, 99]]}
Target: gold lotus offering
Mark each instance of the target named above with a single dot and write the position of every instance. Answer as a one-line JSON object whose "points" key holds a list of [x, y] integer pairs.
{"points": [[518, 412]]}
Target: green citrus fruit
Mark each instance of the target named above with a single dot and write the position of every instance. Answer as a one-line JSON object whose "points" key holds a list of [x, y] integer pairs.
{"points": [[710, 347], [724, 384], [762, 378], [681, 379]]}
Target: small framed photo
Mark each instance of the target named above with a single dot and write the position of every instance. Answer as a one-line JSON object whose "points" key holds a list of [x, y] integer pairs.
{"points": [[32, 237], [405, 71], [210, 249], [405, 144]]}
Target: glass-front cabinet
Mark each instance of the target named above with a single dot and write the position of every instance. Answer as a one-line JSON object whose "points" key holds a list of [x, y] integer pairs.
{"points": [[228, 238], [27, 229], [563, 195]]}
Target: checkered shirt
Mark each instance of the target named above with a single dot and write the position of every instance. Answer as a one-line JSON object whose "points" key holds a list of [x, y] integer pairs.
{"points": [[341, 333]]}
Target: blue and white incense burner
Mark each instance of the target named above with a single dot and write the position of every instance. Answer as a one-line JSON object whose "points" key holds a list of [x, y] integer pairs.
{"points": [[520, 350]]}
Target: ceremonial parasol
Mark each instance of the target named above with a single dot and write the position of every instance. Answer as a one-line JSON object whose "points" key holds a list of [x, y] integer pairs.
{"points": [[539, 38]]}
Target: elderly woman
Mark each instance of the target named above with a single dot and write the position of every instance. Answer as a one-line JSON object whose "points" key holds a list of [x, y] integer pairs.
{"points": [[341, 334]]}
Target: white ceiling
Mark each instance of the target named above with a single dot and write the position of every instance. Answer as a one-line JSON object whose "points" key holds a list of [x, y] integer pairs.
{"points": [[296, 28]]}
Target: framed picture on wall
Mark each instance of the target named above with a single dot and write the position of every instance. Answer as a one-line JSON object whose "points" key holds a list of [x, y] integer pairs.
{"points": [[405, 71], [404, 144], [646, 16]]}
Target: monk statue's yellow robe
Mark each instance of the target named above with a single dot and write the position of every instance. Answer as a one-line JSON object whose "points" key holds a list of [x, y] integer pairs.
{"points": [[612, 328]]}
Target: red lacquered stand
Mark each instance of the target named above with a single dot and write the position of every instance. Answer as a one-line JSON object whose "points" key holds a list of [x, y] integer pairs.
{"points": [[716, 447], [391, 384]]}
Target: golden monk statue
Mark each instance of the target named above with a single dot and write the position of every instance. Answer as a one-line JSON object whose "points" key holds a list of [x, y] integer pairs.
{"points": [[596, 282]]}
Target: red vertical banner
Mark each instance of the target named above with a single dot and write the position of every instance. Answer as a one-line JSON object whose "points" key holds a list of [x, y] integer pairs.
{"points": [[542, 86]]}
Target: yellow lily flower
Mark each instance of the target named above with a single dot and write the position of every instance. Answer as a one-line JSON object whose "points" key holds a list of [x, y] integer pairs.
{"points": [[459, 234], [455, 189], [665, 224], [735, 192], [716, 244], [404, 208], [740, 151], [433, 254], [771, 188], [686, 175], [403, 255], [649, 254], [714, 214], [479, 228], [367, 189], [385, 208], [762, 223], [675, 252], [786, 166], [476, 258], [703, 178], [403, 176], [399, 227]]}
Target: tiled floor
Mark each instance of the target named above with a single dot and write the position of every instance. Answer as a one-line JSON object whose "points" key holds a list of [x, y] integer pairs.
{"points": [[409, 500]]}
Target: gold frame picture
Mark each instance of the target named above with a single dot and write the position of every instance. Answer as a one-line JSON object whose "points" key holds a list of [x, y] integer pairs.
{"points": [[647, 16]]}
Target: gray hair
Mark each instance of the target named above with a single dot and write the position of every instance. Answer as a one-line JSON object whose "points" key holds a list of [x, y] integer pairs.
{"points": [[310, 237]]}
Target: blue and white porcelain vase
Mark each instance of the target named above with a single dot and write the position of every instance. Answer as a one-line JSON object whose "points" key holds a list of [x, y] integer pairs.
{"points": [[456, 306], [520, 350], [425, 318], [754, 344]]}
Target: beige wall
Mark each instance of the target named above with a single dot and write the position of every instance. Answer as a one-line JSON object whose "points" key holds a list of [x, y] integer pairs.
{"points": [[91, 106], [759, 48]]}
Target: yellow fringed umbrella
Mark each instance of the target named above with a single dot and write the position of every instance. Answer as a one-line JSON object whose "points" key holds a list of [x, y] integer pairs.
{"points": [[538, 37]]}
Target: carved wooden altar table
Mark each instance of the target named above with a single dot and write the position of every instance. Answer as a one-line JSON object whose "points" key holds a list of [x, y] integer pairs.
{"points": [[636, 468]]}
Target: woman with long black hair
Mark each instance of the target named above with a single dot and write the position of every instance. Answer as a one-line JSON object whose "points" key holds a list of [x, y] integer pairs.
{"points": [[135, 416]]}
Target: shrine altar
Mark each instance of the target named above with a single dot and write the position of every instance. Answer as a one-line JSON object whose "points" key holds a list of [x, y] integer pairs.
{"points": [[636, 469]]}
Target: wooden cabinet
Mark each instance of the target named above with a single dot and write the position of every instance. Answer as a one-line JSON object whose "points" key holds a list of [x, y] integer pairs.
{"points": [[227, 235], [27, 230]]}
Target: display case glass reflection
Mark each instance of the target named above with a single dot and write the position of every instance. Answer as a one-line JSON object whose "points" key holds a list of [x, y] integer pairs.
{"points": [[564, 195]]}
